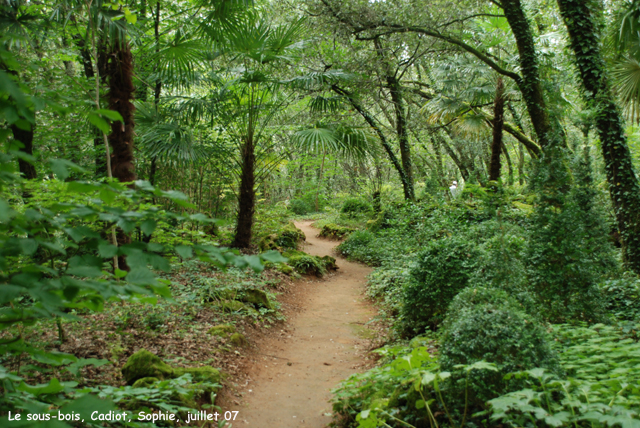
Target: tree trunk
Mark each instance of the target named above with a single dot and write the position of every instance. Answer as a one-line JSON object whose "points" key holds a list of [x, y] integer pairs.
{"points": [[246, 201], [530, 84], [120, 72], [623, 183], [498, 121], [406, 184], [26, 138], [401, 122]]}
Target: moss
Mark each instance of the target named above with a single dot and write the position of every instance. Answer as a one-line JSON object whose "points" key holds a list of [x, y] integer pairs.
{"points": [[284, 268], [201, 374], [145, 364], [335, 231], [329, 262], [238, 339], [256, 297], [222, 330], [145, 382], [288, 237], [232, 306]]}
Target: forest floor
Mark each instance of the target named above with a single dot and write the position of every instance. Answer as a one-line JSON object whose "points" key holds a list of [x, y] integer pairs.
{"points": [[326, 338]]}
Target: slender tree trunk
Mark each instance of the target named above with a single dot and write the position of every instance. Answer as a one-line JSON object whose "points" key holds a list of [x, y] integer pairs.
{"points": [[401, 121], [246, 201], [498, 121], [406, 184], [505, 151], [623, 183]]}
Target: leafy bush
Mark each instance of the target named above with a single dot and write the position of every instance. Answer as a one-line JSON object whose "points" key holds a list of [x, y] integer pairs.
{"points": [[441, 272], [355, 206], [601, 388], [622, 297], [408, 390], [484, 327], [300, 207], [357, 245]]}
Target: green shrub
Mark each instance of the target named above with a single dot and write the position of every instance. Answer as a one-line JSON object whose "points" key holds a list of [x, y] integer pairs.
{"points": [[357, 245], [496, 333], [602, 364], [472, 297], [442, 270], [300, 207], [355, 206], [622, 297]]}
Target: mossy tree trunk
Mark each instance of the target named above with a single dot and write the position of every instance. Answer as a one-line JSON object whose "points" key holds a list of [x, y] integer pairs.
{"points": [[119, 73], [246, 201], [579, 17], [498, 121]]}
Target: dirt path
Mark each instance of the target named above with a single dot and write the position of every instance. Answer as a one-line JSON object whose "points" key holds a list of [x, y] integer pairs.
{"points": [[323, 344]]}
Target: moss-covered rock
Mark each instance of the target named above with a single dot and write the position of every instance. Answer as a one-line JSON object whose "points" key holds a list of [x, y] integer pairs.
{"points": [[256, 297], [200, 374], [289, 237], [284, 268], [238, 339], [334, 231], [222, 330], [145, 382], [329, 263], [232, 306], [145, 364]]}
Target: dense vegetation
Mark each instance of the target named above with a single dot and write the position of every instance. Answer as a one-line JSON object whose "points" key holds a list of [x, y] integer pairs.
{"points": [[481, 155]]}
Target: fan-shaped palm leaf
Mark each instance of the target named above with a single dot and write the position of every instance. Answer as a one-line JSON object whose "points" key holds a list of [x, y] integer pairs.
{"points": [[345, 141], [627, 76]]}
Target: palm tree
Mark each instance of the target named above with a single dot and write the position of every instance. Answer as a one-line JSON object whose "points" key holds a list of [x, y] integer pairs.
{"points": [[332, 139]]}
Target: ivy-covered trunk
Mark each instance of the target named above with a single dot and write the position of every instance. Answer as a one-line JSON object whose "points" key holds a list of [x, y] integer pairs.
{"points": [[498, 121], [624, 190], [246, 201], [530, 84]]}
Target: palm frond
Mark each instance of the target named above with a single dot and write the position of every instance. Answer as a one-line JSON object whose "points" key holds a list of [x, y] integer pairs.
{"points": [[627, 85], [338, 139]]}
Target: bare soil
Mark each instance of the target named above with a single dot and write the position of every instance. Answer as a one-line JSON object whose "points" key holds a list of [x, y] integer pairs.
{"points": [[292, 369]]}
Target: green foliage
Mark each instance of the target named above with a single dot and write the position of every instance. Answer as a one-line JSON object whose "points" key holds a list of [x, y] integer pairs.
{"points": [[442, 270], [486, 325], [567, 250], [622, 297], [354, 206], [408, 389], [307, 264], [600, 390], [288, 237], [334, 231], [300, 207]]}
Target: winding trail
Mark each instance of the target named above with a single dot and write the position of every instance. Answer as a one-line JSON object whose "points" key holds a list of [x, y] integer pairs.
{"points": [[323, 344]]}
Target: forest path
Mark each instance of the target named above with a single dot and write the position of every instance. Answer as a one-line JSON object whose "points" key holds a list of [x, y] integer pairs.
{"points": [[323, 344]]}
